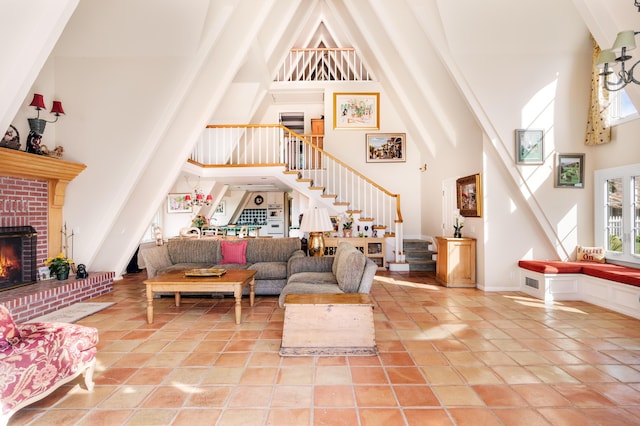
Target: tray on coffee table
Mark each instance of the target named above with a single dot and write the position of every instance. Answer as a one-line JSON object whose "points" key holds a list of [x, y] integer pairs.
{"points": [[205, 272]]}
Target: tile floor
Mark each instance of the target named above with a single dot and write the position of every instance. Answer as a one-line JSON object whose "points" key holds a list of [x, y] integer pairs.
{"points": [[447, 356]]}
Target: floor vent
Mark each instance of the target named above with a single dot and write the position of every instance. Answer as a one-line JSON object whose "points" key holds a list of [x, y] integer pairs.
{"points": [[530, 282]]}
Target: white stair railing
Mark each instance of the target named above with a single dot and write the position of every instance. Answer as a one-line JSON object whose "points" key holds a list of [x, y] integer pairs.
{"points": [[275, 145]]}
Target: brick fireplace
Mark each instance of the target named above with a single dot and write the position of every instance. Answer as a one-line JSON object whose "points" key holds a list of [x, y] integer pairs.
{"points": [[32, 191]]}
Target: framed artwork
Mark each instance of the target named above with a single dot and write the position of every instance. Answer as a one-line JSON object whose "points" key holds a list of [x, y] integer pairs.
{"points": [[469, 196], [356, 111], [529, 146], [177, 203], [569, 171], [386, 147], [221, 207], [44, 273]]}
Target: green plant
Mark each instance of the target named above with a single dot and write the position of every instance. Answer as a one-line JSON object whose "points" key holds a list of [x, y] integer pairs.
{"points": [[59, 264], [348, 222]]}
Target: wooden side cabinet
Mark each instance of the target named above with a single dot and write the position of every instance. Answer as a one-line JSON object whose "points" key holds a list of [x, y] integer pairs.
{"points": [[456, 262]]}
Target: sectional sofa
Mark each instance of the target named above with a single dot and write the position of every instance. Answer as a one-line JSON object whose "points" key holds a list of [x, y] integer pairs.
{"points": [[268, 256]]}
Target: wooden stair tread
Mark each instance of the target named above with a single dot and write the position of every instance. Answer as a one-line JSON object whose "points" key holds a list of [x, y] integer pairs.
{"points": [[316, 188]]}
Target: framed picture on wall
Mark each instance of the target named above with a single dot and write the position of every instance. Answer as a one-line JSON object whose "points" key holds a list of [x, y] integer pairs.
{"points": [[356, 111], [386, 147], [529, 146], [220, 209], [469, 196], [178, 203], [569, 171]]}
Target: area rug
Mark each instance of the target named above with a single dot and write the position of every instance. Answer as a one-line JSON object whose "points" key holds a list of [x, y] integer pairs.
{"points": [[74, 312]]}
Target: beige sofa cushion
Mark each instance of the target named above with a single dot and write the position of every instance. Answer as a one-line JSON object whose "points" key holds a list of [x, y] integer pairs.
{"points": [[189, 250], [349, 267]]}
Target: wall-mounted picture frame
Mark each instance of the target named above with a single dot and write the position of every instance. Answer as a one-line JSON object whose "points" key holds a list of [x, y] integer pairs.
{"points": [[569, 171], [386, 147], [469, 195], [529, 146], [356, 110], [177, 203], [221, 208]]}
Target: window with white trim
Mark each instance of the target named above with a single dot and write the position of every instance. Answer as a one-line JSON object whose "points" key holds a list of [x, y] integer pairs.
{"points": [[617, 212]]}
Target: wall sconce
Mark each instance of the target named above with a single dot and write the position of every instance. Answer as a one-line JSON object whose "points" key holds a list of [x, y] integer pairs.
{"points": [[38, 124], [423, 168]]}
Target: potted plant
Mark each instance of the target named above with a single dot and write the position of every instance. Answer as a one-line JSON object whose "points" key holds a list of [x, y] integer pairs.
{"points": [[347, 225], [59, 266], [200, 221]]}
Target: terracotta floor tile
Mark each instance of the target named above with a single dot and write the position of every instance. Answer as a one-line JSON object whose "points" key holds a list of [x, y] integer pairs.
{"points": [[332, 375], [381, 416], [289, 417], [541, 395], [369, 375], [295, 375], [245, 416], [583, 396], [335, 417], [415, 396], [474, 416], [197, 417], [209, 396], [520, 416], [259, 376], [405, 375], [292, 396], [438, 375], [250, 396], [374, 396], [499, 396], [565, 416], [105, 417], [333, 396], [457, 396], [431, 417], [166, 397]]}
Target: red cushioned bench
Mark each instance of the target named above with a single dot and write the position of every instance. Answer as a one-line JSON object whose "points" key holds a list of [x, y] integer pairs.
{"points": [[611, 286]]}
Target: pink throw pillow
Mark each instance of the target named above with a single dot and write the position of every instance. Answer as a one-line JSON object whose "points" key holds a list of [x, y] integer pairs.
{"points": [[234, 252]]}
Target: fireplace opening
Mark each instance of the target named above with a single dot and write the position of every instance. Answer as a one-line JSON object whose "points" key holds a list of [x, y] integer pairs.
{"points": [[18, 252]]}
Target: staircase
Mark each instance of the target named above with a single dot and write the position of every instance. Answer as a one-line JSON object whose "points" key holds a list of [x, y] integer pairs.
{"points": [[418, 255], [305, 167]]}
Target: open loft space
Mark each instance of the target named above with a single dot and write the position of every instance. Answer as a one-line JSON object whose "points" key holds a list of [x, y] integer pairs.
{"points": [[469, 168]]}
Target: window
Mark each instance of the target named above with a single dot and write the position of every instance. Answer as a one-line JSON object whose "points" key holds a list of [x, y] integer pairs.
{"points": [[156, 221], [620, 108], [617, 212]]}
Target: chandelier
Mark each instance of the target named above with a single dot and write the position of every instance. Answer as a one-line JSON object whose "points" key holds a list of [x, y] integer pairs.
{"points": [[198, 198], [615, 70]]}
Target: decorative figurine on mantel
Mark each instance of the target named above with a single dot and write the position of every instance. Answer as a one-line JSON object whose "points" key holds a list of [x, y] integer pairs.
{"points": [[82, 272], [11, 138]]}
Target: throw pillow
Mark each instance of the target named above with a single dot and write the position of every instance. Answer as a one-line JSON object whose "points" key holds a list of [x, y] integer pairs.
{"points": [[234, 252], [590, 254], [349, 270]]}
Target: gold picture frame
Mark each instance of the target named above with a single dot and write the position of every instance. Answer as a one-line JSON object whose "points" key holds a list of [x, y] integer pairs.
{"points": [[356, 110], [469, 195]]}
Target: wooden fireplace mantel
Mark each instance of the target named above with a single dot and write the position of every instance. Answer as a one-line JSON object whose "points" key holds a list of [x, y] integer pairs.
{"points": [[58, 173]]}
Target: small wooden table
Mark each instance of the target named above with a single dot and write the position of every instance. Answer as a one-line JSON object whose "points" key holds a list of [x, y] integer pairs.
{"points": [[176, 281], [328, 324]]}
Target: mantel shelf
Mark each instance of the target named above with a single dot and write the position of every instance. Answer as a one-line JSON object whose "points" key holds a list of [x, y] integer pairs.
{"points": [[32, 166], [58, 173]]}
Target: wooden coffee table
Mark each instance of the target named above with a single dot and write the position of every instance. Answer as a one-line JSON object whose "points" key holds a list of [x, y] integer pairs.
{"points": [[176, 281]]}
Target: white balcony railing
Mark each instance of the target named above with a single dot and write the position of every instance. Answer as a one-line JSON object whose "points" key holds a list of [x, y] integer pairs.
{"points": [[275, 145], [322, 64]]}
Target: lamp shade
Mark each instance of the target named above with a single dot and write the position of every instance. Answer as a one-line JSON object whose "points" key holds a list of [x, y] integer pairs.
{"points": [[605, 57], [625, 39], [38, 101], [316, 220], [56, 108]]}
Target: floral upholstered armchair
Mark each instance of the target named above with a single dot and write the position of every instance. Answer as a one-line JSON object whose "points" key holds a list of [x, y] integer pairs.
{"points": [[37, 358]]}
